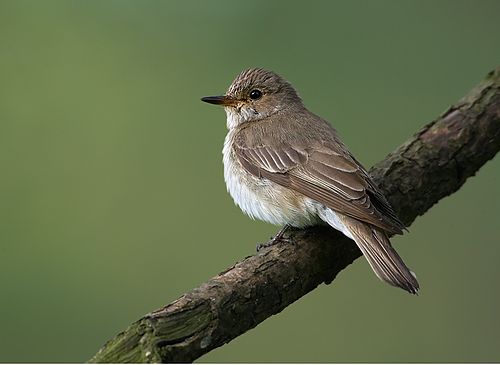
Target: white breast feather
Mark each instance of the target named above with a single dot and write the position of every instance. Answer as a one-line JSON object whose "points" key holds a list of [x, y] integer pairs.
{"points": [[243, 196], [262, 199]]}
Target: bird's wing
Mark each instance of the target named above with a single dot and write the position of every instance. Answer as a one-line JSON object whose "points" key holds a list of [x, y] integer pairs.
{"points": [[329, 175]]}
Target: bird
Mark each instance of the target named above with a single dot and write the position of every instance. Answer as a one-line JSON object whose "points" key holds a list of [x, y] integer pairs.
{"points": [[287, 166]]}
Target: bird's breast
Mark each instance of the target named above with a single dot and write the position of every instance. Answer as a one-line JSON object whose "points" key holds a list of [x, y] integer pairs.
{"points": [[263, 199]]}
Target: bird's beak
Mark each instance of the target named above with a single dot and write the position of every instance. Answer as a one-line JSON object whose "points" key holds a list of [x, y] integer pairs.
{"points": [[220, 100]]}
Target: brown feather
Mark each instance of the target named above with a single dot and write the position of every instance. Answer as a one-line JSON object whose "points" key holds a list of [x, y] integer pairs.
{"points": [[325, 171], [383, 259]]}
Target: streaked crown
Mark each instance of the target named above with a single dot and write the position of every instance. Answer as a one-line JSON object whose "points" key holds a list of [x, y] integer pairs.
{"points": [[268, 82]]}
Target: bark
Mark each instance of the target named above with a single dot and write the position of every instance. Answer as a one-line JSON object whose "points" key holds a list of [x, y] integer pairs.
{"points": [[432, 164]]}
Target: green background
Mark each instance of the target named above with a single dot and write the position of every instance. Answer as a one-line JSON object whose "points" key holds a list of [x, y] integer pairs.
{"points": [[111, 188]]}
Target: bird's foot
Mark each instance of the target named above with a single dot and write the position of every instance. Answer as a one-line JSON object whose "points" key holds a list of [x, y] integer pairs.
{"points": [[276, 239]]}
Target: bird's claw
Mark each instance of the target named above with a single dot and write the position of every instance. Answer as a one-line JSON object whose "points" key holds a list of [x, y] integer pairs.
{"points": [[273, 241]]}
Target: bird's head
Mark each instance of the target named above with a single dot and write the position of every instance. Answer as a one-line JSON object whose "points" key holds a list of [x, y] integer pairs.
{"points": [[255, 94]]}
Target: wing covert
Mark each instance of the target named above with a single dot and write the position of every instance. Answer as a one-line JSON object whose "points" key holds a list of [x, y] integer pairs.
{"points": [[330, 176]]}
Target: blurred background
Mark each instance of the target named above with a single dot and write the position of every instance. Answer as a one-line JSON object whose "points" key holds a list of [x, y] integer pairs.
{"points": [[112, 196]]}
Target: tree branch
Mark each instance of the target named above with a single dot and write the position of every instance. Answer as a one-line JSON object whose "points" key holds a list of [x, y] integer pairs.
{"points": [[432, 164]]}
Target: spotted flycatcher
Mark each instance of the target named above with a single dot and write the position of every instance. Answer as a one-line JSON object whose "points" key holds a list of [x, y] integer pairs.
{"points": [[287, 166]]}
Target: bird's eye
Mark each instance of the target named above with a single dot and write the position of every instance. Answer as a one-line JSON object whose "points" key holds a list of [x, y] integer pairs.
{"points": [[255, 94]]}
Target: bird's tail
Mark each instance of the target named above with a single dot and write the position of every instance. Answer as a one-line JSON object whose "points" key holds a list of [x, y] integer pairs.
{"points": [[383, 259]]}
